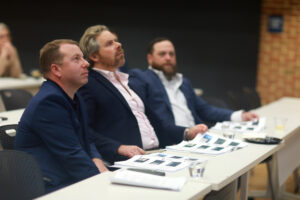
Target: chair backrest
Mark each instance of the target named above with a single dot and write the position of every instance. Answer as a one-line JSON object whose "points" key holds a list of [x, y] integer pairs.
{"points": [[237, 101], [15, 98], [252, 97], [21, 177], [7, 135], [214, 101], [246, 98], [218, 102]]}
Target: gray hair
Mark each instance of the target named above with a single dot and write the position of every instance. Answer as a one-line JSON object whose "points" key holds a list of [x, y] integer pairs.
{"points": [[88, 43]]}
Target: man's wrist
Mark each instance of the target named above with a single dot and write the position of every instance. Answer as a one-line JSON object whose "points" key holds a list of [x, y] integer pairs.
{"points": [[186, 134]]}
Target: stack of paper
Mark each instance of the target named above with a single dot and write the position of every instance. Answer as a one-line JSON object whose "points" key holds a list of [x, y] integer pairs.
{"points": [[209, 143], [158, 161], [147, 180], [248, 126]]}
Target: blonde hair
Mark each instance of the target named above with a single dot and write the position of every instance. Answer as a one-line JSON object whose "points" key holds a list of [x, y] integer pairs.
{"points": [[88, 43]]}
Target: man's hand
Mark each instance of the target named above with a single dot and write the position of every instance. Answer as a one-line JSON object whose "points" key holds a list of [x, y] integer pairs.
{"points": [[193, 131], [130, 150], [8, 51], [249, 116], [100, 165]]}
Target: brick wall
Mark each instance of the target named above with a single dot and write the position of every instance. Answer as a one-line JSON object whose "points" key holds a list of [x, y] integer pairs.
{"points": [[279, 53]]}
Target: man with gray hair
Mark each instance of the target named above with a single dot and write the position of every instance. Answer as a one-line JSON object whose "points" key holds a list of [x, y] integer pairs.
{"points": [[123, 124], [9, 60]]}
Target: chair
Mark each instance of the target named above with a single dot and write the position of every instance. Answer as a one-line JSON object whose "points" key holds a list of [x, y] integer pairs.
{"points": [[236, 100], [214, 102], [7, 136], [246, 98], [220, 103], [15, 98], [252, 97], [21, 177]]}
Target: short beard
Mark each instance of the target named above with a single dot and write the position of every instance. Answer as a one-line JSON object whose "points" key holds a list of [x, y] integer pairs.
{"points": [[168, 74]]}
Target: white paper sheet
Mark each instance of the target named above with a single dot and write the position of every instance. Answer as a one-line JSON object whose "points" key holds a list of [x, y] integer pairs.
{"points": [[158, 161], [209, 143], [147, 180]]}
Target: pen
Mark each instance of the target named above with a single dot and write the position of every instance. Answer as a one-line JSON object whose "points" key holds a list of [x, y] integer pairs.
{"points": [[147, 171], [3, 118]]}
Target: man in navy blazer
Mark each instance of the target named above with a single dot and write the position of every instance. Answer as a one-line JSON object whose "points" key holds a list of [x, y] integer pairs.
{"points": [[54, 128], [171, 95], [122, 123]]}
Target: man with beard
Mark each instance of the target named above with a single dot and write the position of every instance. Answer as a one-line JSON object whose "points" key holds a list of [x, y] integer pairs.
{"points": [[171, 95], [172, 98], [122, 124]]}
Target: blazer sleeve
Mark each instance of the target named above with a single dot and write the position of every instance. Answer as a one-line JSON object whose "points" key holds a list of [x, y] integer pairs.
{"points": [[107, 147], [52, 120], [94, 151]]}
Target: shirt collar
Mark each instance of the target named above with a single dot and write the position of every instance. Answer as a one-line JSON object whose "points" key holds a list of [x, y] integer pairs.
{"points": [[110, 75]]}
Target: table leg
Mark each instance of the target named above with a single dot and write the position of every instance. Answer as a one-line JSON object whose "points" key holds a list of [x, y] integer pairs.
{"points": [[244, 186]]}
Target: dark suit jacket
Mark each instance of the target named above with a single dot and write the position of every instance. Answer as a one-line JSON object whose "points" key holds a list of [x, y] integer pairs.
{"points": [[148, 86], [57, 136], [113, 121]]}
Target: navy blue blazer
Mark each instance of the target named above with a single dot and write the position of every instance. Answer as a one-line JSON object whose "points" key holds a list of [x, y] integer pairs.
{"points": [[56, 135], [114, 123], [148, 85]]}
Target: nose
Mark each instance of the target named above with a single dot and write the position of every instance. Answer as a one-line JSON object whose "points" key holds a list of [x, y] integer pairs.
{"points": [[85, 64], [119, 45], [168, 56]]}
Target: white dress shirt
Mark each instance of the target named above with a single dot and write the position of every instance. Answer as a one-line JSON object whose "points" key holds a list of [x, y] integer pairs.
{"points": [[149, 138], [182, 114]]}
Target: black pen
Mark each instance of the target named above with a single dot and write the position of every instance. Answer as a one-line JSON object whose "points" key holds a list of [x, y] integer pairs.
{"points": [[3, 118], [147, 171]]}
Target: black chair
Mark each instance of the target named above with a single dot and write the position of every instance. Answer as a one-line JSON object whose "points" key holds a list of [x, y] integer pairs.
{"points": [[15, 98], [7, 135], [21, 177], [252, 97], [245, 98], [236, 100], [220, 103]]}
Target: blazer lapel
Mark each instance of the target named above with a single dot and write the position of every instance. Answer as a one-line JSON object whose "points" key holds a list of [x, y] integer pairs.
{"points": [[102, 80], [83, 123], [188, 96], [158, 84]]}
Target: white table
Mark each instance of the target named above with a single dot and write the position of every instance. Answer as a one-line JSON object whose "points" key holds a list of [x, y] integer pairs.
{"points": [[29, 83], [223, 169], [287, 159], [220, 170], [99, 187], [13, 117]]}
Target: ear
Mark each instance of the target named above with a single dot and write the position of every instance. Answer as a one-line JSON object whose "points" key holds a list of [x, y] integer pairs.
{"points": [[94, 57], [149, 58], [55, 70]]}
